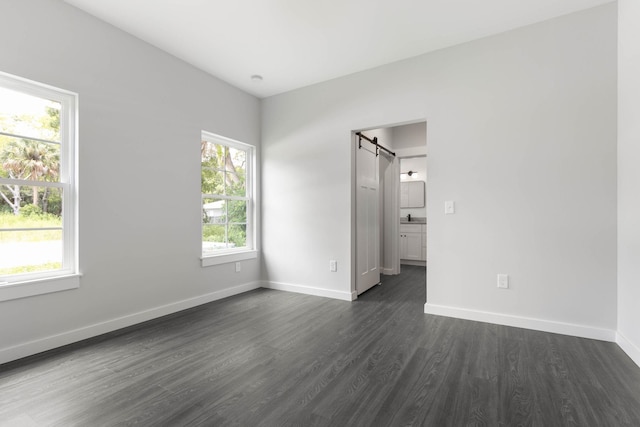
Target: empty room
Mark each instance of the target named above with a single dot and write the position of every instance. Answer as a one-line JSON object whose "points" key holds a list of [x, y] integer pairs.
{"points": [[319, 213]]}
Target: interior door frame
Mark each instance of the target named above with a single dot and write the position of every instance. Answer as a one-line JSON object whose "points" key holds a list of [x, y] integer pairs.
{"points": [[354, 243], [391, 220]]}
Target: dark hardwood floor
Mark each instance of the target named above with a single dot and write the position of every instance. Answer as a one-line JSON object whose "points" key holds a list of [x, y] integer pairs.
{"points": [[270, 358]]}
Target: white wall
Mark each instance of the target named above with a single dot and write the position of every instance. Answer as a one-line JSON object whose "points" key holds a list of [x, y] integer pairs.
{"points": [[629, 177], [410, 140], [522, 133], [141, 113], [522, 136]]}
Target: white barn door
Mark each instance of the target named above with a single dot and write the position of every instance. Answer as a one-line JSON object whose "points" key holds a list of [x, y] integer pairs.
{"points": [[367, 223]]}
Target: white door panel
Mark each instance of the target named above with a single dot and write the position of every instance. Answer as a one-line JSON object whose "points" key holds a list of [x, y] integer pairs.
{"points": [[368, 227]]}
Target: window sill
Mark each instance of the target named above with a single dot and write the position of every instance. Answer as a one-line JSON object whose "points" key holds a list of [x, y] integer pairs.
{"points": [[228, 257], [16, 290]]}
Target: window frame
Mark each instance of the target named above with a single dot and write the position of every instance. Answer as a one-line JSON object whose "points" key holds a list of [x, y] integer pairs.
{"points": [[248, 251], [35, 283]]}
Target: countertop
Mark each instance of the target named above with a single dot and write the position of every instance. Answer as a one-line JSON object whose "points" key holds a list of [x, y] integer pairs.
{"points": [[414, 220]]}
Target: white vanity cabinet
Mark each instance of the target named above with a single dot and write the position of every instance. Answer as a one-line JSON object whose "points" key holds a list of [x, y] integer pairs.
{"points": [[413, 242]]}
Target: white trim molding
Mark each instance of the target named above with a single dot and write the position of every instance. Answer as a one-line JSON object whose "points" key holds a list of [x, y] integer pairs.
{"points": [[628, 347], [523, 322], [16, 290], [228, 257], [310, 290], [48, 343]]}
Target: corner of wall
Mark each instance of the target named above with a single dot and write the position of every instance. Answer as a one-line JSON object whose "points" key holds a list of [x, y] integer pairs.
{"points": [[628, 347], [309, 290]]}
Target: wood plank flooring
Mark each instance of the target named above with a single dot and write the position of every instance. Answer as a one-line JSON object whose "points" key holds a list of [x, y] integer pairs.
{"points": [[270, 358]]}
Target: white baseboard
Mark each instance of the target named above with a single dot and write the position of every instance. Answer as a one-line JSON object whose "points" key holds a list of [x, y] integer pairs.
{"points": [[628, 347], [412, 262], [309, 290], [523, 322], [37, 346]]}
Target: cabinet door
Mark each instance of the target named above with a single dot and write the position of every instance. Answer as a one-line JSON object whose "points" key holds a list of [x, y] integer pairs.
{"points": [[411, 246], [403, 246]]}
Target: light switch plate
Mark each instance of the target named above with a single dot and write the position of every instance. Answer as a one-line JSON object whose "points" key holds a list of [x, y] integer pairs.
{"points": [[449, 207]]}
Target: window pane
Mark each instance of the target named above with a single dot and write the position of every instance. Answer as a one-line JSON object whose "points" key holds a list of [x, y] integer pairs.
{"points": [[212, 181], [28, 115], [18, 210], [214, 211], [236, 184], [235, 166], [214, 237], [29, 160], [30, 251], [237, 211], [237, 235], [211, 154], [239, 158], [223, 169]]}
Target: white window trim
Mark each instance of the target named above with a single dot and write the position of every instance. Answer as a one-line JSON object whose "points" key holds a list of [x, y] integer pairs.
{"points": [[29, 288], [31, 284], [227, 257], [250, 251]]}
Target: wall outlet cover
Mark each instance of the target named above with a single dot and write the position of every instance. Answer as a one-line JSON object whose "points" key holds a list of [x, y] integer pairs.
{"points": [[503, 281], [449, 207]]}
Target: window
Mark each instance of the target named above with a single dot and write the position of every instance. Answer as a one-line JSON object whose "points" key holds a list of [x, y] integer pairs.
{"points": [[37, 182], [227, 199]]}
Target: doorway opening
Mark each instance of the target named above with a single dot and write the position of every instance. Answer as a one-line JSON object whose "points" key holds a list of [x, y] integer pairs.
{"points": [[389, 202], [413, 210]]}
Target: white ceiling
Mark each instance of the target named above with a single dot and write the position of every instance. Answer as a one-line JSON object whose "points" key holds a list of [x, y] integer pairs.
{"points": [[295, 43]]}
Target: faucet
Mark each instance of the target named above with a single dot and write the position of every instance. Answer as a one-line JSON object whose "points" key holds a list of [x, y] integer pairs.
{"points": [[408, 217]]}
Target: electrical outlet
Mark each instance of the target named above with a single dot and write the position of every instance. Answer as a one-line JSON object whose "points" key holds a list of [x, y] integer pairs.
{"points": [[503, 281], [238, 267], [333, 265]]}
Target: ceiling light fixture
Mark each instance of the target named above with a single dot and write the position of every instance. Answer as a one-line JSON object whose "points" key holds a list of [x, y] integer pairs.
{"points": [[256, 78]]}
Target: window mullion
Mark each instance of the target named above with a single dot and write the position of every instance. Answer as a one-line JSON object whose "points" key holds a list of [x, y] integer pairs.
{"points": [[31, 229], [223, 197], [30, 138], [30, 183]]}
